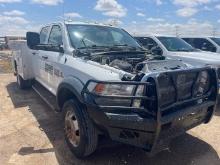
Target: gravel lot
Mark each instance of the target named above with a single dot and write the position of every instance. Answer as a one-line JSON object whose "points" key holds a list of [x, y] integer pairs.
{"points": [[31, 133]]}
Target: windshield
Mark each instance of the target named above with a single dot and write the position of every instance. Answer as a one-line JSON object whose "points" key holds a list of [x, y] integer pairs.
{"points": [[216, 40], [175, 44], [88, 36]]}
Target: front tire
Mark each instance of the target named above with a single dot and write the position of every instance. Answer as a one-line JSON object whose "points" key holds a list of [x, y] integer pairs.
{"points": [[80, 132]]}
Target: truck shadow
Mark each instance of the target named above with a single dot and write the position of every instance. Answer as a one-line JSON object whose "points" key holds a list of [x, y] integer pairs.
{"points": [[184, 150], [217, 113]]}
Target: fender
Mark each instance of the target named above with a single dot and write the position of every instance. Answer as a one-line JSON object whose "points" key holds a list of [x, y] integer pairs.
{"points": [[74, 85]]}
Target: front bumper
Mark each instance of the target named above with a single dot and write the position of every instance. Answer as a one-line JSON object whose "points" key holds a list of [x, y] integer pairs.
{"points": [[143, 128], [148, 132]]}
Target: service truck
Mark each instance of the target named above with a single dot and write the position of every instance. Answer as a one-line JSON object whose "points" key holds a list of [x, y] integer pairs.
{"points": [[106, 85]]}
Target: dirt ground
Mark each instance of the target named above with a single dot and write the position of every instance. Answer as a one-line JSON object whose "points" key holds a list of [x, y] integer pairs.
{"points": [[31, 134]]}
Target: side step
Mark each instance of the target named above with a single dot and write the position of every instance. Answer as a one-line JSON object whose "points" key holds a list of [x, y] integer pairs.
{"points": [[47, 97]]}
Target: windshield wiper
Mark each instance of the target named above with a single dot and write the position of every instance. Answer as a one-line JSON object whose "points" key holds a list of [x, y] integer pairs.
{"points": [[184, 50], [124, 45], [136, 48], [103, 49], [94, 47]]}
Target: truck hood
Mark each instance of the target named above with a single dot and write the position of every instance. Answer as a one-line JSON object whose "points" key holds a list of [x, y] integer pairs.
{"points": [[207, 58]]}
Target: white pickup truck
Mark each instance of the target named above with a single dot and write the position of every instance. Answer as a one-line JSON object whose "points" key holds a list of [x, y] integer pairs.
{"points": [[105, 84], [210, 44], [176, 48]]}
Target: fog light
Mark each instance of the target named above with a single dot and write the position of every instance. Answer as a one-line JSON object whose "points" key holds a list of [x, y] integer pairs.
{"points": [[136, 103]]}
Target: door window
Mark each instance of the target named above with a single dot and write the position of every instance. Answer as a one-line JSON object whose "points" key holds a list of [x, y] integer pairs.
{"points": [[43, 35], [55, 36], [189, 41], [147, 42], [203, 44]]}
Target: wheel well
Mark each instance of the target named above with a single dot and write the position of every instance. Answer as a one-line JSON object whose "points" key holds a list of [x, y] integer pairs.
{"points": [[64, 95], [15, 65]]}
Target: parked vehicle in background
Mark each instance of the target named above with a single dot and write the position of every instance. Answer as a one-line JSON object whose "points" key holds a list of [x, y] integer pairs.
{"points": [[2, 43], [211, 44], [106, 84], [177, 48], [2, 46]]}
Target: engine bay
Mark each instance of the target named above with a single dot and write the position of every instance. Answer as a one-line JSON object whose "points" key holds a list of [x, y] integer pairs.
{"points": [[136, 63]]}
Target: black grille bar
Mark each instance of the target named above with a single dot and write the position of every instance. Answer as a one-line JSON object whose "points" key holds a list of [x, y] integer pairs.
{"points": [[188, 97]]}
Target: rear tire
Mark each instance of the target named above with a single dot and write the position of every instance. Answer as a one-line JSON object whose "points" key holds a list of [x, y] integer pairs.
{"points": [[81, 136], [23, 84]]}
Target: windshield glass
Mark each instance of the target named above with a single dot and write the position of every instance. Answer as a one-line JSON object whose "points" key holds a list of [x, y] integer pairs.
{"points": [[216, 40], [88, 36], [175, 44]]}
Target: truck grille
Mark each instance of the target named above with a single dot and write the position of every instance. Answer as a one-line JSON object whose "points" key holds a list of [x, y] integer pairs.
{"points": [[172, 89], [179, 87]]}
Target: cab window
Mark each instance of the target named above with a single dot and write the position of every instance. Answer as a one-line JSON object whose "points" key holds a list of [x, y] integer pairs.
{"points": [[55, 36], [43, 35], [216, 40], [147, 42], [189, 41], [202, 43]]}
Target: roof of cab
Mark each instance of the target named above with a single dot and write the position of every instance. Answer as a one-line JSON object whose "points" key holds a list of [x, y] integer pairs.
{"points": [[186, 36], [81, 23], [155, 35]]}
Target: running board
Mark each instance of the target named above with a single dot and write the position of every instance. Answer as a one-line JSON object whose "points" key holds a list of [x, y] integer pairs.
{"points": [[46, 96]]}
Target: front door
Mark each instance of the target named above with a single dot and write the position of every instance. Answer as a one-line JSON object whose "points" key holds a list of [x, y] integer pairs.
{"points": [[39, 59], [54, 58]]}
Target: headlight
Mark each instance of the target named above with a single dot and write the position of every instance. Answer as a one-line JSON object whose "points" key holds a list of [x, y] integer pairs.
{"points": [[119, 91], [202, 84], [114, 89]]}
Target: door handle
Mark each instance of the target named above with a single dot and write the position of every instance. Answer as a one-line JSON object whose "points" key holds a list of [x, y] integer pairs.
{"points": [[45, 57], [34, 53]]}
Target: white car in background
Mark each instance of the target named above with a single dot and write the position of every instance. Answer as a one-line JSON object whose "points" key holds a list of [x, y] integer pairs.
{"points": [[177, 48], [211, 44]]}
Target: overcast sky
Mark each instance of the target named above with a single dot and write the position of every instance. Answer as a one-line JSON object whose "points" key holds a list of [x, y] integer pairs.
{"points": [[198, 17]]}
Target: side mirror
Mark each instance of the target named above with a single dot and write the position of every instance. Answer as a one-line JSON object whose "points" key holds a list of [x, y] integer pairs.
{"points": [[61, 49], [150, 46], [157, 51], [53, 48], [33, 39], [56, 48]]}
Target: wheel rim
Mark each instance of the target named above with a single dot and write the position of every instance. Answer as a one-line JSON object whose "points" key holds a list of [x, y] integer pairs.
{"points": [[72, 128]]}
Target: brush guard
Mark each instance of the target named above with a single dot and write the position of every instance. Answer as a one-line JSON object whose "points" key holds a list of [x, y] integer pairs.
{"points": [[149, 127]]}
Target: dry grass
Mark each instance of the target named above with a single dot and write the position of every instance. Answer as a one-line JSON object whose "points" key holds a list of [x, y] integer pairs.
{"points": [[5, 66], [5, 62]]}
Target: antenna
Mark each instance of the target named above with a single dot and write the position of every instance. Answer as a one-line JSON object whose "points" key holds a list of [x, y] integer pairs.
{"points": [[177, 30], [63, 11]]}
